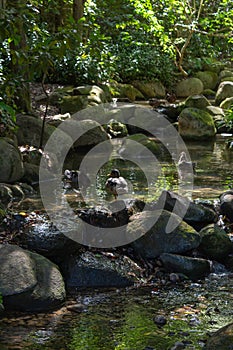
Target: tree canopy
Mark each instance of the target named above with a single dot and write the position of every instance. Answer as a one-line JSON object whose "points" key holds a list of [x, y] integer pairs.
{"points": [[84, 41]]}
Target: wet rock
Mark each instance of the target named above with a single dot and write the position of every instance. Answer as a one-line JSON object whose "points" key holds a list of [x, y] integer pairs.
{"points": [[194, 268], [178, 346], [160, 232], [28, 281], [215, 243], [196, 215], [196, 124], [222, 339], [46, 240], [226, 204], [11, 163], [160, 320], [99, 270]]}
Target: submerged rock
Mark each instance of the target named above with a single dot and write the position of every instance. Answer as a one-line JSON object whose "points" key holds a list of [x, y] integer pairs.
{"points": [[156, 240], [194, 268], [28, 281]]}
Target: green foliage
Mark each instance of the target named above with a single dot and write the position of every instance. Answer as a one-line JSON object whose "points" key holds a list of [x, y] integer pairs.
{"points": [[7, 119], [122, 40]]}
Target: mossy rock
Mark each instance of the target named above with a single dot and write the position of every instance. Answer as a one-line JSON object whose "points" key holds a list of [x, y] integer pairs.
{"points": [[197, 101], [196, 124], [208, 78], [150, 89], [215, 66], [226, 73], [190, 86], [129, 148], [215, 243], [125, 91], [151, 227]]}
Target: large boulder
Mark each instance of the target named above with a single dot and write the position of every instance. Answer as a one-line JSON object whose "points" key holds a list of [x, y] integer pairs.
{"points": [[224, 91], [196, 124], [91, 270], [11, 163], [28, 281], [194, 268], [156, 240], [29, 132], [190, 86], [150, 89], [215, 243], [208, 78], [91, 132], [196, 215]]}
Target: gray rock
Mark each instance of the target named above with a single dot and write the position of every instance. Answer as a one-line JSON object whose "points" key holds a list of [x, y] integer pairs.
{"points": [[11, 164], [194, 268], [154, 238], [224, 91], [28, 281], [17, 270]]}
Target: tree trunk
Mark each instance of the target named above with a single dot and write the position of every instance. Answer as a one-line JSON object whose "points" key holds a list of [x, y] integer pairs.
{"points": [[78, 11], [19, 59]]}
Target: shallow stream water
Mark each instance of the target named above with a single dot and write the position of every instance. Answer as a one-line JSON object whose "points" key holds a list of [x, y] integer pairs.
{"points": [[127, 319]]}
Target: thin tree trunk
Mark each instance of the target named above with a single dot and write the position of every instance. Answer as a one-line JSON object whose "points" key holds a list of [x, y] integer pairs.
{"points": [[19, 61]]}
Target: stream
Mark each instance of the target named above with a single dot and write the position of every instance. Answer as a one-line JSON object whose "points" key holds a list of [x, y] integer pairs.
{"points": [[149, 317]]}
